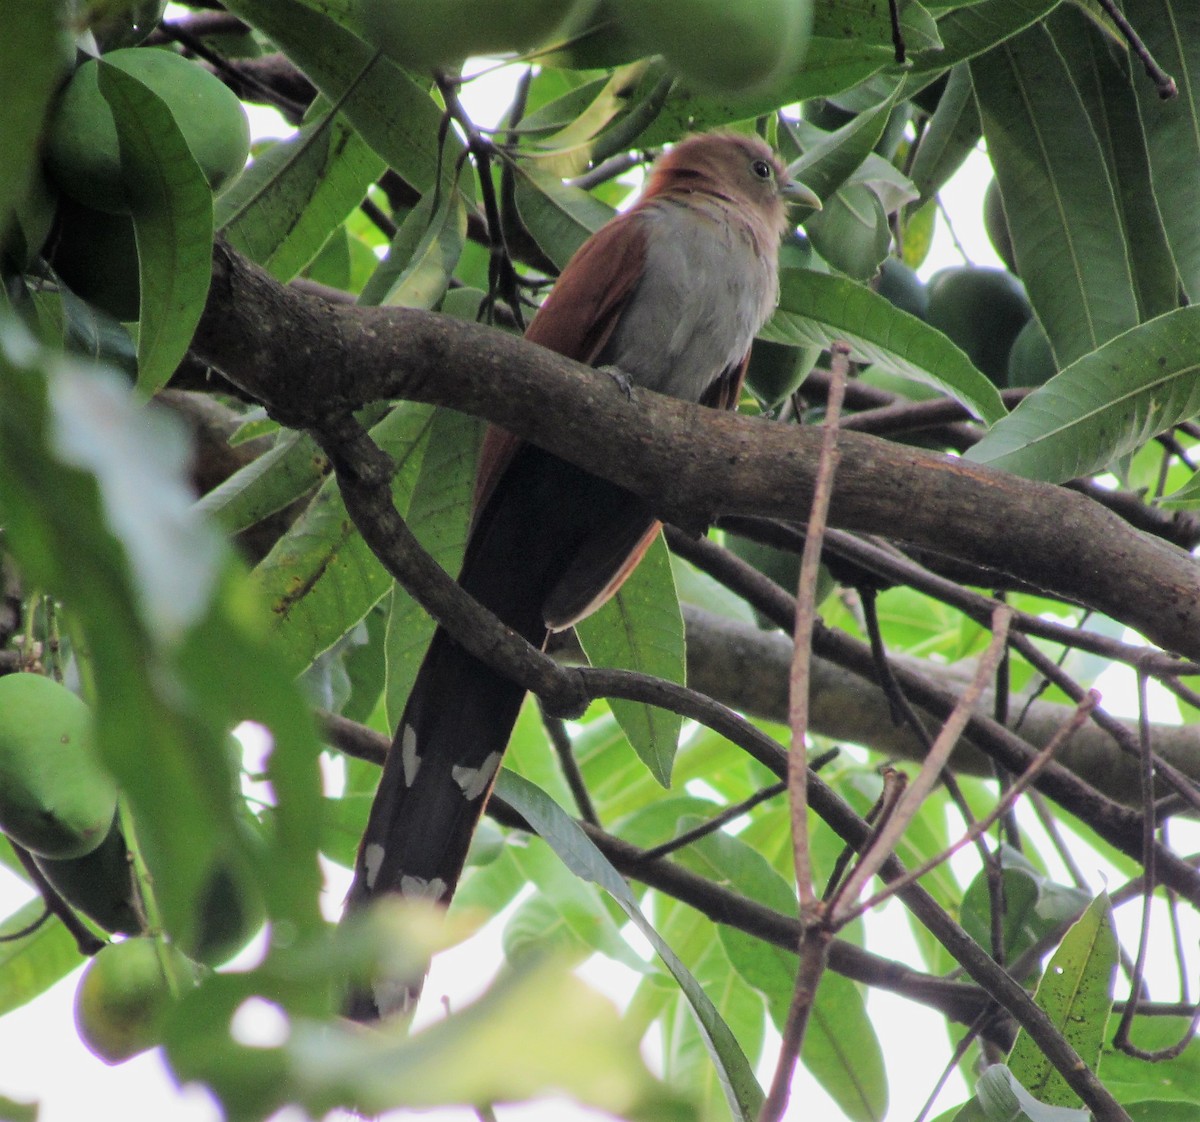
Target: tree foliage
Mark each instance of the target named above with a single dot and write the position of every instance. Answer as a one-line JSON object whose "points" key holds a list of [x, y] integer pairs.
{"points": [[238, 434]]}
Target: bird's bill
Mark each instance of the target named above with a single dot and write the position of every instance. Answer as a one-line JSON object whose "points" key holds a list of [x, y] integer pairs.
{"points": [[796, 193]]}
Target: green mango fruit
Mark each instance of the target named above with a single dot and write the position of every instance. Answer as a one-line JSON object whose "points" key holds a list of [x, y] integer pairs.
{"points": [[99, 884], [1031, 360], [56, 800], [983, 311], [83, 155], [96, 256], [124, 23], [424, 34], [123, 998], [722, 46], [777, 369], [900, 286]]}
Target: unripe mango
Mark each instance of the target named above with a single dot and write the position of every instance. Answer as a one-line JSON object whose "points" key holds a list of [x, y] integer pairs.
{"points": [[55, 798]]}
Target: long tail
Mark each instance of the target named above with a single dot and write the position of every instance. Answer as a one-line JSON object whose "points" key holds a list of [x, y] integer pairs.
{"points": [[550, 538]]}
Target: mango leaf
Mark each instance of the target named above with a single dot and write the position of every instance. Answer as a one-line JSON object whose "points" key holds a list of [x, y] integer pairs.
{"points": [[1059, 198], [641, 628], [828, 160], [282, 210], [439, 515], [1033, 905], [538, 1030], [393, 114], [1176, 1080], [1171, 32], [830, 66], [559, 218], [851, 232], [416, 270], [580, 855], [1076, 992], [999, 1097], [950, 136], [320, 578], [1105, 405], [32, 61], [31, 965], [172, 220], [1106, 85], [972, 29], [818, 309], [268, 483], [841, 1048], [173, 663]]}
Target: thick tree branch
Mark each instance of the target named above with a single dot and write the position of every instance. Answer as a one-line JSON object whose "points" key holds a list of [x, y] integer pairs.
{"points": [[304, 358], [744, 667]]}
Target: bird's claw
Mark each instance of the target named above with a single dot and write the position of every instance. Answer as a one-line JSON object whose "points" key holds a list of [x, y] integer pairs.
{"points": [[624, 382]]}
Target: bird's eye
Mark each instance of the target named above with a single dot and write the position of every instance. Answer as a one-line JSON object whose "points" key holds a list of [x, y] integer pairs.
{"points": [[761, 168]]}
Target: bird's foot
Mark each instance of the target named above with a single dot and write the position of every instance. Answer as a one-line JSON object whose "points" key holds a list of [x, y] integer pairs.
{"points": [[624, 382]]}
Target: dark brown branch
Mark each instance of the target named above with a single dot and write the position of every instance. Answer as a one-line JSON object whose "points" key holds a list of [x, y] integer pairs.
{"points": [[306, 359]]}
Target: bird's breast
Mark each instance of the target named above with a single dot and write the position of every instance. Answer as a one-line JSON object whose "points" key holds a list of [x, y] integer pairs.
{"points": [[705, 291]]}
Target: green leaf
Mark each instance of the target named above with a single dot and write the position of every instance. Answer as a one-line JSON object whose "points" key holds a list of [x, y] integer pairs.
{"points": [[320, 578], [1177, 1079], [1076, 993], [971, 30], [1105, 405], [950, 136], [1033, 905], [1171, 31], [851, 232], [577, 852], [439, 515], [841, 1048], [1106, 84], [566, 913], [283, 209], [163, 618], [559, 218], [172, 221], [33, 58], [13, 1111], [641, 628], [827, 161], [830, 66], [1001, 1098], [818, 309], [31, 965], [393, 114], [416, 271], [268, 483], [1058, 196]]}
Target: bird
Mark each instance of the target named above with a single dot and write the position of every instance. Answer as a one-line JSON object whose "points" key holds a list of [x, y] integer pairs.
{"points": [[668, 296]]}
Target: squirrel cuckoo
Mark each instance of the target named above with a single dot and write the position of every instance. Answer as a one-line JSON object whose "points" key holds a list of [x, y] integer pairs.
{"points": [[671, 294]]}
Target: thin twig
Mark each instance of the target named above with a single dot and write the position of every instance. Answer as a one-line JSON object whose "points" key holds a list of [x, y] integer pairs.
{"points": [[980, 827], [920, 787], [798, 685], [1163, 82], [814, 944]]}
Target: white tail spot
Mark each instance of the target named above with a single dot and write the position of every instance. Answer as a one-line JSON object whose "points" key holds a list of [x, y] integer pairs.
{"points": [[409, 759], [392, 997], [475, 780], [421, 888], [372, 859]]}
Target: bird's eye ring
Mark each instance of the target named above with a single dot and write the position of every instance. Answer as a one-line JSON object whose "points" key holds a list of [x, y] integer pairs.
{"points": [[761, 168]]}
